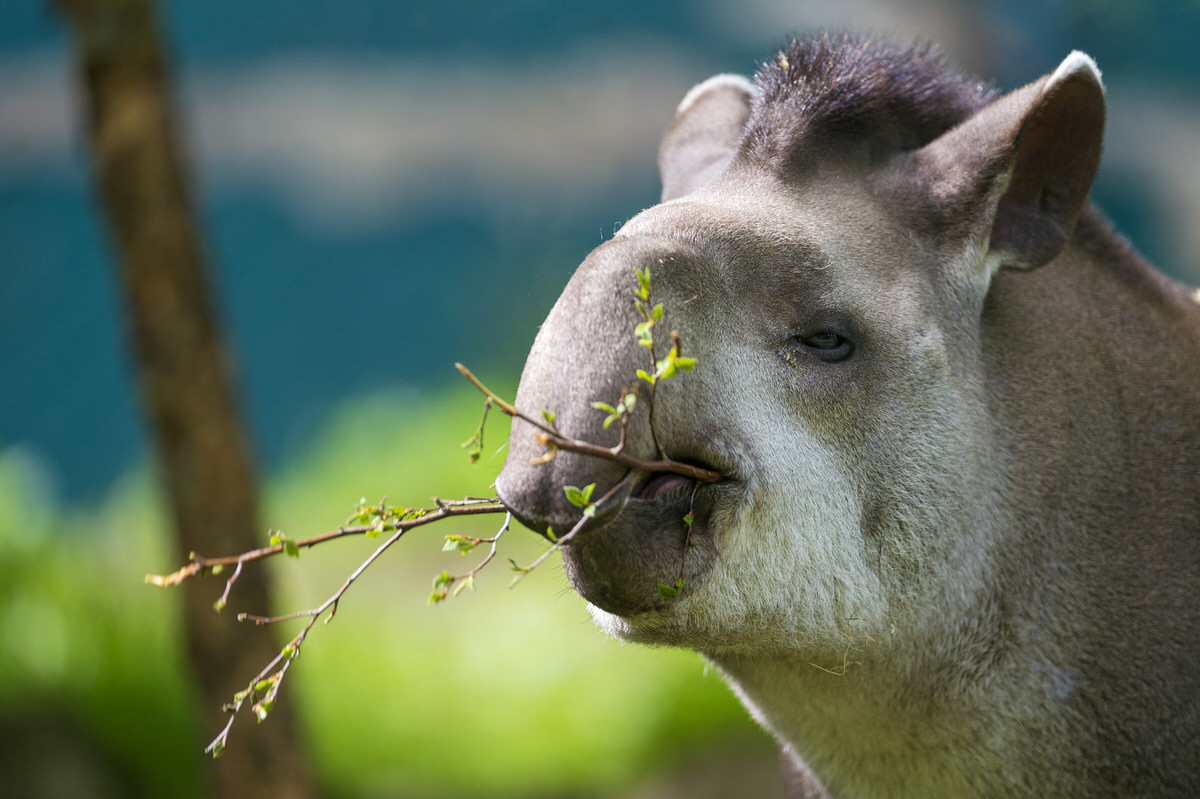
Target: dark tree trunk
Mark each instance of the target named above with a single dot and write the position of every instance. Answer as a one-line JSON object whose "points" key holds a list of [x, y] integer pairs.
{"points": [[184, 375]]}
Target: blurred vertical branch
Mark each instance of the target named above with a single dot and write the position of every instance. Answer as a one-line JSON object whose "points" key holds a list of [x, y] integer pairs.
{"points": [[186, 383]]}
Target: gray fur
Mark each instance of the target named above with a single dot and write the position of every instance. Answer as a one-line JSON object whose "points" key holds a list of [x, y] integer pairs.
{"points": [[964, 561]]}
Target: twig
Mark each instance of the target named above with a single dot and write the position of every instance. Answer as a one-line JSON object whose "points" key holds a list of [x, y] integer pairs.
{"points": [[552, 438], [495, 542], [201, 565], [441, 585], [266, 684]]}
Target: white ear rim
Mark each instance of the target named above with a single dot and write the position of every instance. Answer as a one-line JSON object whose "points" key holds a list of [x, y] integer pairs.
{"points": [[727, 80], [1077, 63]]}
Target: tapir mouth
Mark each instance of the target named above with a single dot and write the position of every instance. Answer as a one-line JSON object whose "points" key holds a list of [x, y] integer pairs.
{"points": [[659, 484], [652, 529]]}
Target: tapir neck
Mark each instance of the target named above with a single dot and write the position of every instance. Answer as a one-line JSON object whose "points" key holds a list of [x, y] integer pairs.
{"points": [[1092, 372], [870, 732]]}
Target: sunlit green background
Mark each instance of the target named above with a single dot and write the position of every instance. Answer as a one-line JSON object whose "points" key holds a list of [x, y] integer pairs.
{"points": [[495, 693], [388, 187]]}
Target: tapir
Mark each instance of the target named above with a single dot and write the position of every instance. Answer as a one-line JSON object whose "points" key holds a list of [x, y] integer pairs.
{"points": [[955, 546]]}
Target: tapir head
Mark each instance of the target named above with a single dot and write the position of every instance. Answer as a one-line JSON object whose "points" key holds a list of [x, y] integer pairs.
{"points": [[825, 249]]}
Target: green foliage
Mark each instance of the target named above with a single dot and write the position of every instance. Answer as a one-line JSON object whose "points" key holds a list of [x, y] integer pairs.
{"points": [[619, 411], [671, 590], [579, 497], [461, 544], [673, 364], [582, 498], [290, 547]]}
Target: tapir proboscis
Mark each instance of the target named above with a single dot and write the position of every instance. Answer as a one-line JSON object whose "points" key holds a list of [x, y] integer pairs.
{"points": [[956, 548]]}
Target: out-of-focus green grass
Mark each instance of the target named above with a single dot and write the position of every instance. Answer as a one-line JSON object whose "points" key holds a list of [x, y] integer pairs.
{"points": [[495, 693]]}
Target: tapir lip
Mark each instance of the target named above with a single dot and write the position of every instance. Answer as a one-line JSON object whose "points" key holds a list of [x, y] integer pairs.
{"points": [[656, 527], [658, 484], [634, 484]]}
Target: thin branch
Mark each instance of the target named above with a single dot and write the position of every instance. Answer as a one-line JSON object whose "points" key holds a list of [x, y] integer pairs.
{"points": [[266, 684], [219, 605], [201, 565], [441, 585], [495, 542], [688, 542], [400, 530], [552, 438]]}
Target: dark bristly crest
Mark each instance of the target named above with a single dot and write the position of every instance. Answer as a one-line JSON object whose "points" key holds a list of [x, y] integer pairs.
{"points": [[855, 95]]}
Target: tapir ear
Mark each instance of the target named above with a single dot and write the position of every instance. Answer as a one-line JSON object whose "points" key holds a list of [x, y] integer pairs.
{"points": [[702, 138], [1030, 156]]}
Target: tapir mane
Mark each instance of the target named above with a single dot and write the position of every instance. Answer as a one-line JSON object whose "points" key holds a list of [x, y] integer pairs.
{"points": [[855, 96]]}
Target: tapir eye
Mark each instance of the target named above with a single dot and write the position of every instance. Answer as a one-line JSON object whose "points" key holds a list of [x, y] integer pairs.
{"points": [[826, 345]]}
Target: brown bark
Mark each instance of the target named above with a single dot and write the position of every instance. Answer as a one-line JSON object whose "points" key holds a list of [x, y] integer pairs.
{"points": [[184, 376]]}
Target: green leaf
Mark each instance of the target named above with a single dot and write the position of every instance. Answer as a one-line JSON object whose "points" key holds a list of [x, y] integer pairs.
{"points": [[460, 543], [687, 519], [262, 709], [590, 511], [219, 605], [548, 416], [218, 749], [644, 375], [579, 497], [657, 313], [643, 276], [604, 406], [442, 580], [466, 582], [220, 567], [686, 364], [671, 590], [276, 539], [550, 534], [291, 548]]}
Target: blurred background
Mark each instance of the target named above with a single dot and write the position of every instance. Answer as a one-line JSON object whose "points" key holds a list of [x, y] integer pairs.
{"points": [[385, 188]]}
